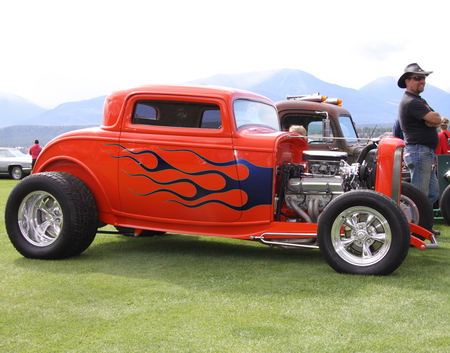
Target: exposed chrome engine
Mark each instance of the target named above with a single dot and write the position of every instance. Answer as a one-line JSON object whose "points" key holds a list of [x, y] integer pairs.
{"points": [[324, 162], [308, 196], [309, 189], [306, 189]]}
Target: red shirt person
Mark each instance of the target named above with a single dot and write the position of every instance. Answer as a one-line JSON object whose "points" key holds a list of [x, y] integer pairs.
{"points": [[444, 136], [34, 152]]}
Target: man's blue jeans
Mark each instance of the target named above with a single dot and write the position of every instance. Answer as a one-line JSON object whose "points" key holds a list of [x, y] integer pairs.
{"points": [[421, 161]]}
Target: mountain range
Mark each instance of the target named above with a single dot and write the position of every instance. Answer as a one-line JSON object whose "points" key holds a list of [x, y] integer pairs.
{"points": [[375, 103]]}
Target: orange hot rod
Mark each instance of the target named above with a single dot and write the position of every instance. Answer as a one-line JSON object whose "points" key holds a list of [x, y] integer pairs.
{"points": [[211, 161]]}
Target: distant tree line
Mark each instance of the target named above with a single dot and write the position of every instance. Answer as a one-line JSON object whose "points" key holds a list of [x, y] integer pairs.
{"points": [[373, 131], [24, 135]]}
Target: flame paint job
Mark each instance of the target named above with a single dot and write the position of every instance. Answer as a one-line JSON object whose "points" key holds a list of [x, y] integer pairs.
{"points": [[256, 186]]}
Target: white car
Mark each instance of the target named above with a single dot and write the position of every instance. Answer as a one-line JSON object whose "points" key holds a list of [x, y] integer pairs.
{"points": [[14, 163]]}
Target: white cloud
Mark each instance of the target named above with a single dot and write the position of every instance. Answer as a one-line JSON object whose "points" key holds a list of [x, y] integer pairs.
{"points": [[58, 51], [380, 50]]}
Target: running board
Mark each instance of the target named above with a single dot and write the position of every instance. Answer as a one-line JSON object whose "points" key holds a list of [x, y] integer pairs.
{"points": [[278, 243]]}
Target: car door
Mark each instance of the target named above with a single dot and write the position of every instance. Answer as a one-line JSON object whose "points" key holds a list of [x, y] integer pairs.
{"points": [[176, 160]]}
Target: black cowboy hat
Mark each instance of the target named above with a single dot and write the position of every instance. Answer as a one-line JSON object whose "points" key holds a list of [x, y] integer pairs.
{"points": [[411, 69]]}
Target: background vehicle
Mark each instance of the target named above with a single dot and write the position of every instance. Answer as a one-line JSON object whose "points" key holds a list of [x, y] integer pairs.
{"points": [[14, 163], [329, 126], [211, 161]]}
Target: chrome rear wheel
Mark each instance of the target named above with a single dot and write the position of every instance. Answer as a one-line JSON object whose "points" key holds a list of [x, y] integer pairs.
{"points": [[40, 218], [51, 215]]}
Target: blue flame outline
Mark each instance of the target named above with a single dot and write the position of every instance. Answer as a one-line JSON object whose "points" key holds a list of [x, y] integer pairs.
{"points": [[257, 186]]}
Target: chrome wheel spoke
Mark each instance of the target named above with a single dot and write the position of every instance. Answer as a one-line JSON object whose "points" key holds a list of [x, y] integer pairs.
{"points": [[352, 221], [370, 219], [346, 242], [366, 253], [41, 231], [380, 237]]}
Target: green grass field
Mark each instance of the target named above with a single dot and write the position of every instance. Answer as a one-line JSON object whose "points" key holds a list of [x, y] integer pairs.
{"points": [[178, 293]]}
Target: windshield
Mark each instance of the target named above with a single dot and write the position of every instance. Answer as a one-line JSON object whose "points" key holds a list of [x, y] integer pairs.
{"points": [[348, 129], [252, 113]]}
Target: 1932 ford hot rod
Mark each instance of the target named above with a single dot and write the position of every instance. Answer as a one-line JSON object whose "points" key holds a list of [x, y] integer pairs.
{"points": [[211, 161]]}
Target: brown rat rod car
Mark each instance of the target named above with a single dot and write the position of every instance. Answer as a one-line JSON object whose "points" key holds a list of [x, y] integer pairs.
{"points": [[196, 159]]}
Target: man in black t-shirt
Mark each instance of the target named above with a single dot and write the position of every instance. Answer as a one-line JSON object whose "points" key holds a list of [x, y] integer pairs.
{"points": [[419, 122]]}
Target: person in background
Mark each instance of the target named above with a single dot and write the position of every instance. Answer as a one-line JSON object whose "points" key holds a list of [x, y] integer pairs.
{"points": [[397, 130], [34, 152], [419, 123], [444, 136], [299, 129]]}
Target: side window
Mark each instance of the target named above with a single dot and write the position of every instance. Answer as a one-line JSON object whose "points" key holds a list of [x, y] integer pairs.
{"points": [[211, 119], [144, 113], [177, 114]]}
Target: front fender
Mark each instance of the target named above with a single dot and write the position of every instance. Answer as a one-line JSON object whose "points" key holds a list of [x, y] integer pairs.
{"points": [[389, 167]]}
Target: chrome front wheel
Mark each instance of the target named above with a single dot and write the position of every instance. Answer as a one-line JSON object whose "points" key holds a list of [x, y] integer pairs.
{"points": [[363, 232], [361, 236]]}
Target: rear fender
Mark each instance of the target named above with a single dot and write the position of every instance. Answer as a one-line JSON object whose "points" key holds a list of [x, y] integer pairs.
{"points": [[70, 165]]}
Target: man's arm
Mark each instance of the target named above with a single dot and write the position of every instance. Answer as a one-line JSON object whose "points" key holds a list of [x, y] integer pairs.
{"points": [[432, 119]]}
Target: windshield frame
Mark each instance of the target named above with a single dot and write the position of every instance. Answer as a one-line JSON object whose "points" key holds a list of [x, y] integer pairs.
{"points": [[348, 129]]}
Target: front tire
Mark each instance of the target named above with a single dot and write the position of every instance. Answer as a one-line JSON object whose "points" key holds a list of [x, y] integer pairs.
{"points": [[51, 216], [363, 232]]}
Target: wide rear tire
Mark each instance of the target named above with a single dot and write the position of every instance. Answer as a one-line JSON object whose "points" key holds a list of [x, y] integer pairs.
{"points": [[51, 216], [363, 232]]}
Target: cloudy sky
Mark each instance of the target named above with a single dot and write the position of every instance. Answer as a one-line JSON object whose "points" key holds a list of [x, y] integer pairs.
{"points": [[55, 51]]}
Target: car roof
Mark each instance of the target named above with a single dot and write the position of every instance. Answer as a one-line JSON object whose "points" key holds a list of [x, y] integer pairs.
{"points": [[312, 106], [114, 101], [187, 89]]}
